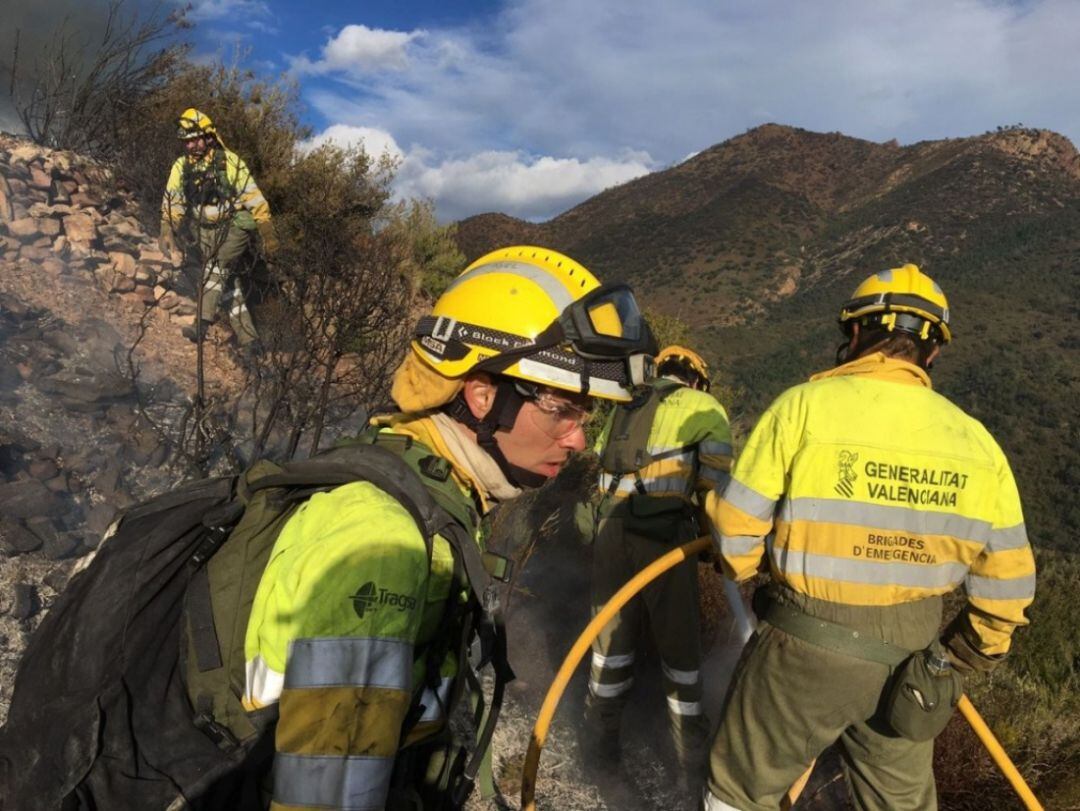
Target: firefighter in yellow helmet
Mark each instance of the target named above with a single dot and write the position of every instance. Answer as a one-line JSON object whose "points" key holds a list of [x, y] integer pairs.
{"points": [[868, 497], [356, 629], [660, 456], [211, 191]]}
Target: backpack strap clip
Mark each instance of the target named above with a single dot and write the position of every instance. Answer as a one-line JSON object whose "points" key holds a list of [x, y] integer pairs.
{"points": [[205, 723]]}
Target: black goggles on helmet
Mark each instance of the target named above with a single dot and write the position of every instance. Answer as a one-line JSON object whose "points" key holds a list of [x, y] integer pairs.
{"points": [[604, 323], [604, 326]]}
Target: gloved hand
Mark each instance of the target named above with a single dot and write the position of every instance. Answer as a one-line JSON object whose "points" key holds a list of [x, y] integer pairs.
{"points": [[269, 238]]}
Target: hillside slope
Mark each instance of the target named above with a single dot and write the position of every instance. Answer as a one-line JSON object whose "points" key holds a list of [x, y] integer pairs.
{"points": [[757, 241]]}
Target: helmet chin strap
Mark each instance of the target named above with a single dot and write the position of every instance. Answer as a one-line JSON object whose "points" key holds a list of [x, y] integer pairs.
{"points": [[501, 417]]}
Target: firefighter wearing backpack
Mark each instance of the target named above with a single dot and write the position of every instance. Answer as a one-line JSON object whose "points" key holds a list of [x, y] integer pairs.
{"points": [[660, 456], [498, 382], [335, 610], [868, 496], [213, 189]]}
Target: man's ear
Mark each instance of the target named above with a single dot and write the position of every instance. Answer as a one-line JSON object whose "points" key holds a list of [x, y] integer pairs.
{"points": [[854, 340], [479, 392]]}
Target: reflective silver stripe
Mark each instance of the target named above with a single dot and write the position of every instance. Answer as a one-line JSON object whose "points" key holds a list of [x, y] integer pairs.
{"points": [[349, 661], [606, 479], [710, 802], [990, 588], [750, 501], [612, 662], [534, 369], [684, 707], [739, 544], [664, 484], [884, 573], [715, 448], [1008, 538], [680, 676], [262, 684], [559, 295], [435, 701], [681, 453], [881, 516], [609, 690], [661, 484], [332, 781], [714, 475]]}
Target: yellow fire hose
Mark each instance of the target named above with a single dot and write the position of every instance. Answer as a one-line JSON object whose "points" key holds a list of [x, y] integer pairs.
{"points": [[998, 754], [628, 592]]}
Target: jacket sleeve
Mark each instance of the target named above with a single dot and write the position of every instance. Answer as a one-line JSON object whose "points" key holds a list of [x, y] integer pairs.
{"points": [[348, 610], [743, 516], [1000, 584], [173, 204], [714, 451], [248, 195]]}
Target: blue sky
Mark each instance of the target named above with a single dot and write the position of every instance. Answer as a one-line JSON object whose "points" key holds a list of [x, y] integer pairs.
{"points": [[530, 106]]}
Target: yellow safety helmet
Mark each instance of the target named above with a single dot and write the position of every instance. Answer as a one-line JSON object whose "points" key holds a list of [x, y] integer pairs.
{"points": [[687, 358], [903, 299], [538, 316], [194, 124]]}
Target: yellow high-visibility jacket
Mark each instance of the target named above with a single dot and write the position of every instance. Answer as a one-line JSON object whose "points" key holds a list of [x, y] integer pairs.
{"points": [[875, 490], [338, 636], [690, 430], [240, 194]]}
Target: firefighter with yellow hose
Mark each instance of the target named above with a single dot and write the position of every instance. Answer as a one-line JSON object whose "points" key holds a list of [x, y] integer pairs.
{"points": [[660, 455], [868, 496], [211, 189]]}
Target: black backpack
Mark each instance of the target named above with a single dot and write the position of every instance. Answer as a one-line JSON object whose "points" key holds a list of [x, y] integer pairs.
{"points": [[120, 701]]}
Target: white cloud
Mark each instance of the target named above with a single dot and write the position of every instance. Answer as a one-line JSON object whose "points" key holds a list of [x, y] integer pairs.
{"points": [[588, 82], [237, 10], [357, 49], [512, 182], [375, 142]]}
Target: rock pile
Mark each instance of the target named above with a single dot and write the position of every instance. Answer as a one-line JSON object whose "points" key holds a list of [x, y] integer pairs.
{"points": [[86, 299], [55, 213]]}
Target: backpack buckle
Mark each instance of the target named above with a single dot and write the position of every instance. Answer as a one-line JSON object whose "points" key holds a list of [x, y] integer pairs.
{"points": [[434, 467], [219, 734]]}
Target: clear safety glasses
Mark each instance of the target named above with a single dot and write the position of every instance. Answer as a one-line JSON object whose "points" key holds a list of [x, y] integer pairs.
{"points": [[554, 414]]}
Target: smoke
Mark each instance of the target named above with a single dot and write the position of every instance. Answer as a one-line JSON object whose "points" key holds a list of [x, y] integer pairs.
{"points": [[37, 27]]}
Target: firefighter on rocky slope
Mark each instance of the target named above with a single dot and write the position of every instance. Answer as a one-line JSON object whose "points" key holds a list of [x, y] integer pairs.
{"points": [[868, 496], [214, 189], [660, 456], [498, 382]]}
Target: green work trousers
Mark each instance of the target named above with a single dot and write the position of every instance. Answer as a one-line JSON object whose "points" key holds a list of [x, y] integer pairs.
{"points": [[222, 249], [671, 603], [790, 699]]}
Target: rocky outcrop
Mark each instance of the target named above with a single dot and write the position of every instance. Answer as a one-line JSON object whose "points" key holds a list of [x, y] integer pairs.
{"points": [[90, 343]]}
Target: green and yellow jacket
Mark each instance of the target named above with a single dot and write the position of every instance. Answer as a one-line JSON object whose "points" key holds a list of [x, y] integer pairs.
{"points": [[689, 443], [339, 636], [212, 188], [864, 487]]}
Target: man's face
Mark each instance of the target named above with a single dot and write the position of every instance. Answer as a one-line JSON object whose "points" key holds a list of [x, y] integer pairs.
{"points": [[196, 147], [547, 430]]}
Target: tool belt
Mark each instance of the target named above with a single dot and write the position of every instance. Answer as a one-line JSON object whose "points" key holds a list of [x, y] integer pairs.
{"points": [[922, 689]]}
